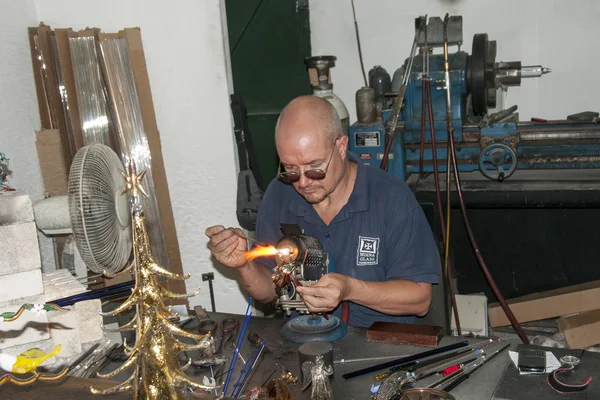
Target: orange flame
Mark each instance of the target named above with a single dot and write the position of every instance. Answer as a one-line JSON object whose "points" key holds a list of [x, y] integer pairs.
{"points": [[261, 251]]}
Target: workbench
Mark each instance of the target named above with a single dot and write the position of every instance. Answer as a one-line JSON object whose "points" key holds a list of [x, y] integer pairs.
{"points": [[481, 386]]}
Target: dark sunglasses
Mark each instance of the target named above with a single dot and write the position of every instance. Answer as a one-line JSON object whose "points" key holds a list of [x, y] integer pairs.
{"points": [[315, 174]]}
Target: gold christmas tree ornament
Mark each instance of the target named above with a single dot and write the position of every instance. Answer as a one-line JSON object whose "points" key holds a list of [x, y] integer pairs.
{"points": [[158, 373]]}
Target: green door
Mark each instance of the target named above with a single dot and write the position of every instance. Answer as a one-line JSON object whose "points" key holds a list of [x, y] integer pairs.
{"points": [[268, 41]]}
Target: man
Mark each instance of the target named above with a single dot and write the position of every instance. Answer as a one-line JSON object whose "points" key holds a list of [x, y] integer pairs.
{"points": [[368, 222]]}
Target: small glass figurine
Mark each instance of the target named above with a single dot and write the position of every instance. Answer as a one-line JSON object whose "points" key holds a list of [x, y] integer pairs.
{"points": [[4, 171], [318, 374]]}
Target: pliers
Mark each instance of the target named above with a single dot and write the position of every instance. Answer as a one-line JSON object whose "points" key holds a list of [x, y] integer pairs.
{"points": [[228, 325]]}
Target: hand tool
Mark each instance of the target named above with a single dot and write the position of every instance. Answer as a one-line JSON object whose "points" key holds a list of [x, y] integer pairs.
{"points": [[226, 326], [405, 360], [257, 340], [366, 359], [462, 374]]}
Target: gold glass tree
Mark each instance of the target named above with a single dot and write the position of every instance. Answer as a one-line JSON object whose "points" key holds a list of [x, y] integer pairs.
{"points": [[155, 355]]}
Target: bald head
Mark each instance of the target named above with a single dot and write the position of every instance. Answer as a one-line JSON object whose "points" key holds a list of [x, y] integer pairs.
{"points": [[309, 136], [309, 110]]}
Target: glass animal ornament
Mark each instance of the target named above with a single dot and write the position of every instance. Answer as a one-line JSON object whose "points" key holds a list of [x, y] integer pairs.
{"points": [[28, 361], [38, 309], [155, 356], [318, 374]]}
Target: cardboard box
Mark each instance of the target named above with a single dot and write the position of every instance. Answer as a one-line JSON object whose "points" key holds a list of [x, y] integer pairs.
{"points": [[46, 82], [551, 304], [472, 313], [55, 172], [581, 330]]}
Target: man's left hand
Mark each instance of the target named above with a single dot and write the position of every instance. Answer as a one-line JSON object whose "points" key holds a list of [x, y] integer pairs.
{"points": [[327, 293]]}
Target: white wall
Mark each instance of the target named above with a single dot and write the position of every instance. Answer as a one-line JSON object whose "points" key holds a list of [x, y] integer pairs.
{"points": [[19, 116], [560, 34], [186, 60]]}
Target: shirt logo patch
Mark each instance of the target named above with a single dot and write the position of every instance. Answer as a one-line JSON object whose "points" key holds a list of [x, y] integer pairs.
{"points": [[368, 251]]}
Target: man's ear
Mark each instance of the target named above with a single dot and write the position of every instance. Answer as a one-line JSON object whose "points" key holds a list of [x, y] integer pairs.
{"points": [[343, 145]]}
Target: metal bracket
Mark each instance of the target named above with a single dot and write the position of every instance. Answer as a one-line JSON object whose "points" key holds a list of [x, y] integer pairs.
{"points": [[511, 141], [433, 34]]}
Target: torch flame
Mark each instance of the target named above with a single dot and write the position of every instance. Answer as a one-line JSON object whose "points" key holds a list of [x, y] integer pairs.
{"points": [[261, 251]]}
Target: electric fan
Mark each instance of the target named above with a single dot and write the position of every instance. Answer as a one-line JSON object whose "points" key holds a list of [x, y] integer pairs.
{"points": [[95, 211], [99, 213]]}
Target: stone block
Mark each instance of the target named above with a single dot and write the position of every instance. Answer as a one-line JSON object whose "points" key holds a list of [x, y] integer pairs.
{"points": [[28, 328], [64, 331], [23, 284], [20, 250], [15, 208], [89, 320], [61, 284]]}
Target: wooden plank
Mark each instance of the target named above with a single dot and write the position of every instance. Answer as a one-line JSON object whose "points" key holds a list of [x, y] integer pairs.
{"points": [[549, 304], [413, 334]]}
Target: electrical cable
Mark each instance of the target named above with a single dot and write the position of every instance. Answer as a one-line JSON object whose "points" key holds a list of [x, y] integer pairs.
{"points": [[362, 65], [501, 300]]}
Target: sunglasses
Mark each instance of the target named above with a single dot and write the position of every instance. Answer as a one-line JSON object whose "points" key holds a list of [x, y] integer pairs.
{"points": [[315, 174]]}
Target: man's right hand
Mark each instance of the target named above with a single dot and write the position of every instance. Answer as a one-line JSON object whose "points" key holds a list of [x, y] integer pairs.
{"points": [[227, 247]]}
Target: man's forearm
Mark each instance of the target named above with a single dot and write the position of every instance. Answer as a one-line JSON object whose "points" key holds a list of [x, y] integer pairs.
{"points": [[257, 281], [397, 297]]}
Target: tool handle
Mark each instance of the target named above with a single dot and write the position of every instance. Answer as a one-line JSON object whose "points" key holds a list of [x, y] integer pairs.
{"points": [[451, 369], [254, 338]]}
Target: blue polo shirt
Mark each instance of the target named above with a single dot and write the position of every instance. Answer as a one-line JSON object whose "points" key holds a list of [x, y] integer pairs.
{"points": [[379, 235]]}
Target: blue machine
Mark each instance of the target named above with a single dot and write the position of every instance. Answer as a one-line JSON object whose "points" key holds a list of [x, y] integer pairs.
{"points": [[496, 144]]}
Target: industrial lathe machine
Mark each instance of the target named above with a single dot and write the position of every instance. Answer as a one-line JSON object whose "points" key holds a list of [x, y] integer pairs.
{"points": [[488, 138]]}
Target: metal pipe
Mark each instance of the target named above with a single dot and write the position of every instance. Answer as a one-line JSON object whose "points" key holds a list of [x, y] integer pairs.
{"points": [[450, 132], [438, 192], [423, 105], [405, 360], [366, 359], [395, 114], [545, 135]]}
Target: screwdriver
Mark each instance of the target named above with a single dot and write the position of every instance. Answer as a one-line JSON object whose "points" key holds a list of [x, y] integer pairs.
{"points": [[256, 340]]}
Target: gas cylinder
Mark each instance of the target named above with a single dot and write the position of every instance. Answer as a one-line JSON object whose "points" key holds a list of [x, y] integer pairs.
{"points": [[366, 105], [380, 81], [320, 79]]}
